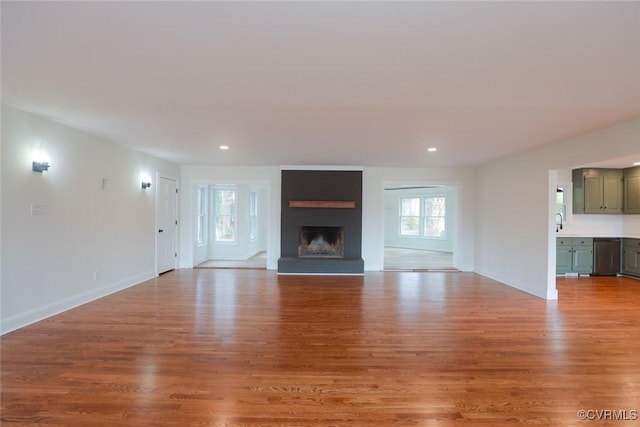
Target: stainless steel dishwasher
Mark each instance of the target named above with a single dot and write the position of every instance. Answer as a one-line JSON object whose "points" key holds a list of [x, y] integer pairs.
{"points": [[606, 256]]}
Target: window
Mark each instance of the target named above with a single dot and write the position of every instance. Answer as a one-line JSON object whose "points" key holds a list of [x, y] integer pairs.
{"points": [[434, 217], [423, 216], [410, 216], [225, 213], [202, 216], [561, 206], [253, 215]]}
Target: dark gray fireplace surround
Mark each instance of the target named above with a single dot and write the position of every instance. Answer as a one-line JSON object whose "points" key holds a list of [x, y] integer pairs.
{"points": [[330, 198]]}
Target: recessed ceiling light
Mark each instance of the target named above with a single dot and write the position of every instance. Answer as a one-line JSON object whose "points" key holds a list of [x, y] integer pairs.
{"points": [[224, 147], [636, 163], [432, 149]]}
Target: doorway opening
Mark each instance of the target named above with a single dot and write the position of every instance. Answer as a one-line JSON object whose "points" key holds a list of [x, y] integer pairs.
{"points": [[231, 225], [419, 227], [166, 224]]}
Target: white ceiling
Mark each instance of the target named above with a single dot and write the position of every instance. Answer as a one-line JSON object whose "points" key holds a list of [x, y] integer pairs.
{"points": [[325, 83]]}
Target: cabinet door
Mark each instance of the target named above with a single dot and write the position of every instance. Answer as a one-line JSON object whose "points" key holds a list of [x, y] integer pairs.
{"points": [[593, 194], [632, 194], [612, 194], [582, 259], [564, 257], [631, 257]]}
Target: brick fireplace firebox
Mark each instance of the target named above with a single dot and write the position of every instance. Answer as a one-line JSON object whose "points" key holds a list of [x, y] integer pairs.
{"points": [[321, 222]]}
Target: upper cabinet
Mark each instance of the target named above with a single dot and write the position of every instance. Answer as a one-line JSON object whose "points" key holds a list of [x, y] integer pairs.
{"points": [[606, 191], [598, 191], [632, 190]]}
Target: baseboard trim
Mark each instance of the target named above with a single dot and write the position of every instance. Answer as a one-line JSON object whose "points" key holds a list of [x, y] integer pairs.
{"points": [[21, 320]]}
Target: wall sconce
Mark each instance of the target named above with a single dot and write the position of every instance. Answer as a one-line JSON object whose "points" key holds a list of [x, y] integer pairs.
{"points": [[145, 180], [40, 161], [40, 166]]}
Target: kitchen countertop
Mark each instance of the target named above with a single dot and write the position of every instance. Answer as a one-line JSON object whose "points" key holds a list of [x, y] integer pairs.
{"points": [[596, 236]]}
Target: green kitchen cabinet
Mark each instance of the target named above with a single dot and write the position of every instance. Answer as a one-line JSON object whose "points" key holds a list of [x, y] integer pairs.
{"points": [[574, 255], [631, 257], [598, 191], [631, 178]]}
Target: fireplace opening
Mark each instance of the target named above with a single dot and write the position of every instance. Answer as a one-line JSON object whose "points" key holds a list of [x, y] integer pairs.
{"points": [[323, 242]]}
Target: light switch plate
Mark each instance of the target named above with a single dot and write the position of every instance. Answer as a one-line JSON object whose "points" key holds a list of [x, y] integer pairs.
{"points": [[38, 209]]}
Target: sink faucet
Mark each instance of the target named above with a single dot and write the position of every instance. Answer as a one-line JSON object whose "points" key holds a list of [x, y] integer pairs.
{"points": [[558, 227]]}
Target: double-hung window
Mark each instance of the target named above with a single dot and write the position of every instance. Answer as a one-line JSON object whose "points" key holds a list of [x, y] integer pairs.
{"points": [[202, 216], [253, 216], [423, 216], [410, 216], [225, 208], [434, 219]]}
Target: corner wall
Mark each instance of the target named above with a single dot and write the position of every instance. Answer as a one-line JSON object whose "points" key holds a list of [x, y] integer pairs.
{"points": [[515, 206], [89, 242]]}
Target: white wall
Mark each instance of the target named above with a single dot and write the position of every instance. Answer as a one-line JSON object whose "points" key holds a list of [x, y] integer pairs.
{"points": [[392, 235], [631, 226], [374, 180], [515, 205], [90, 242]]}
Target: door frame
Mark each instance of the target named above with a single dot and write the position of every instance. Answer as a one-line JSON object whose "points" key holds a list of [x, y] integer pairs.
{"points": [[426, 183], [176, 202], [266, 183]]}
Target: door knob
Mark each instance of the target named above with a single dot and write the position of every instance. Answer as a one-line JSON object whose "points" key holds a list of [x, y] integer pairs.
{"points": [[160, 231]]}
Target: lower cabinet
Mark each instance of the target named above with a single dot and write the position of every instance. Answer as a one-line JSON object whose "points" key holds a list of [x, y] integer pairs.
{"points": [[631, 257], [574, 255]]}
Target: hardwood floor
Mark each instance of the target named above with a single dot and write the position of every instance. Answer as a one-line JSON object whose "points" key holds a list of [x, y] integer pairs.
{"points": [[209, 347], [417, 260], [258, 261]]}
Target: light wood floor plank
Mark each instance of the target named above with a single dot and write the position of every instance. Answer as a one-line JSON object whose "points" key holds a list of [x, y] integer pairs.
{"points": [[249, 348]]}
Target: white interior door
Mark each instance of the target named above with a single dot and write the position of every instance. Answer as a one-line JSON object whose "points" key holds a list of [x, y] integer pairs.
{"points": [[167, 224]]}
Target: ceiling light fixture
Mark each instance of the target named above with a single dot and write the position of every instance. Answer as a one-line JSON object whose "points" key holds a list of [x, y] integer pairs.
{"points": [[636, 163], [224, 147], [432, 149]]}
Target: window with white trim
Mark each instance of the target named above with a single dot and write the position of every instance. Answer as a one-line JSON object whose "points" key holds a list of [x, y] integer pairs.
{"points": [[434, 218], [423, 216], [410, 216], [225, 208], [253, 215], [202, 216]]}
